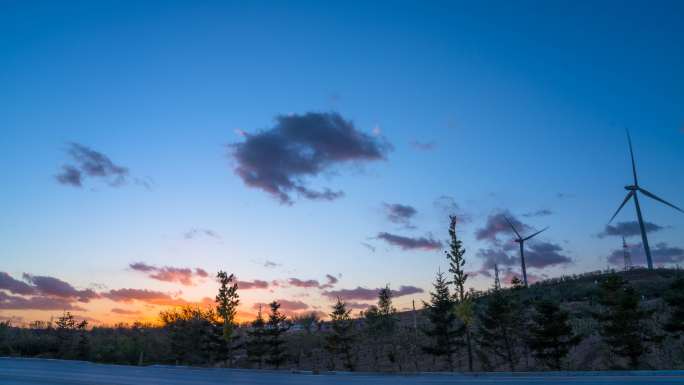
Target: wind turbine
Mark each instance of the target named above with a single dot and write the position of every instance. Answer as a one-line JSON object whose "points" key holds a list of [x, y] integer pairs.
{"points": [[633, 194], [521, 241]]}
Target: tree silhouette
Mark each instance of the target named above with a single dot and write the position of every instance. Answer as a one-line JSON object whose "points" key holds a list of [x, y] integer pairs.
{"points": [[256, 345], [381, 323], [442, 333], [500, 327], [341, 339], [550, 334], [675, 298], [622, 321], [227, 301], [277, 325], [464, 306]]}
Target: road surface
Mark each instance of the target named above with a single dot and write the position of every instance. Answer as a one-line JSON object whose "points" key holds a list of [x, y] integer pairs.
{"points": [[56, 372]]}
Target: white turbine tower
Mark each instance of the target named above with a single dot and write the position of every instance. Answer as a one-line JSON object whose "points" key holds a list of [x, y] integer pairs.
{"points": [[633, 189]]}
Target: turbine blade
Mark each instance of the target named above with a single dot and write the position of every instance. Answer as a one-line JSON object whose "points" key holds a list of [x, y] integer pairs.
{"points": [[629, 195], [653, 196], [513, 227], [631, 154], [531, 236]]}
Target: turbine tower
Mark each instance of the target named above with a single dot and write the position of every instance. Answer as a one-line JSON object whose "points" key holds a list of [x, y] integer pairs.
{"points": [[633, 189], [521, 241]]}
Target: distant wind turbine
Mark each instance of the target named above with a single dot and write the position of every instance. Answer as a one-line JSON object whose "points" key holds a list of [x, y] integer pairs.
{"points": [[521, 241], [633, 194]]}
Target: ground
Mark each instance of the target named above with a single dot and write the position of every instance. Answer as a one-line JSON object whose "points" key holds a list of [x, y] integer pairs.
{"points": [[53, 372]]}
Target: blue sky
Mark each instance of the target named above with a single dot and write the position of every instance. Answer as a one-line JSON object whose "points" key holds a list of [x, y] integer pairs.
{"points": [[518, 102]]}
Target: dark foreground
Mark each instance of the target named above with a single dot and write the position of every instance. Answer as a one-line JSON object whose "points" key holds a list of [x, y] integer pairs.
{"points": [[53, 372]]}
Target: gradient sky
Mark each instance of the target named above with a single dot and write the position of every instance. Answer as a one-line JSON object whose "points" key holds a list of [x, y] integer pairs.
{"points": [[479, 108]]}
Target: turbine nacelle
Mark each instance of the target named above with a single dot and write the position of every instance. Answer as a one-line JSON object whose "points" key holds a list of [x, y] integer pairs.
{"points": [[631, 188]]}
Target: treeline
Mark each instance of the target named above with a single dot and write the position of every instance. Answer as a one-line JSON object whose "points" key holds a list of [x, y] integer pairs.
{"points": [[588, 322]]}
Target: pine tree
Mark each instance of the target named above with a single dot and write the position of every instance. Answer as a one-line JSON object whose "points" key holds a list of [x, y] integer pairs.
{"points": [[464, 306], [381, 323], [83, 341], [66, 327], [500, 327], [551, 336], [227, 301], [341, 339], [277, 325], [257, 345], [442, 333], [674, 297], [622, 321]]}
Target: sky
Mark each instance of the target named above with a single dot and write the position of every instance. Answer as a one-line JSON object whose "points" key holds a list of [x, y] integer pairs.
{"points": [[317, 149]]}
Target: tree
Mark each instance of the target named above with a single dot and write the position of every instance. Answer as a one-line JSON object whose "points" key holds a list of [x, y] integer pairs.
{"points": [[257, 346], [195, 335], [277, 325], [550, 334], [341, 339], [308, 321], [65, 330], [674, 297], [500, 327], [227, 301], [622, 322], [442, 332], [381, 322], [83, 341], [456, 263]]}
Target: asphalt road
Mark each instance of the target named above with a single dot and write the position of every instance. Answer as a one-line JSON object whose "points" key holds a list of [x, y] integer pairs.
{"points": [[54, 372]]}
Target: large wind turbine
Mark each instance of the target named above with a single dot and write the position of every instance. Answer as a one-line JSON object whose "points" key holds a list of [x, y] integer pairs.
{"points": [[521, 241], [633, 194]]}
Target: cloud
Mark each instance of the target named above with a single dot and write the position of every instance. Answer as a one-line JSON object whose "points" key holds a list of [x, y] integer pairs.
{"points": [[538, 213], [544, 254], [271, 264], [491, 257], [628, 229], [120, 311], [423, 146], [93, 164], [279, 160], [255, 284], [143, 295], [12, 302], [51, 286], [538, 255], [400, 214], [562, 195], [183, 275], [447, 205], [662, 253], [287, 306], [497, 225], [408, 243], [296, 282], [195, 232], [14, 285], [364, 294], [357, 305], [368, 246], [332, 281]]}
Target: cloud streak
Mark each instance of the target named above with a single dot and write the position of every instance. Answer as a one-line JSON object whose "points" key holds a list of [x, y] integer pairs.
{"points": [[628, 229], [183, 275], [365, 294], [409, 243]]}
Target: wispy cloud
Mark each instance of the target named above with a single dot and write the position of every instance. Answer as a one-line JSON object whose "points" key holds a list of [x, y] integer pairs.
{"points": [[183, 275], [88, 163], [365, 294], [410, 243], [628, 229]]}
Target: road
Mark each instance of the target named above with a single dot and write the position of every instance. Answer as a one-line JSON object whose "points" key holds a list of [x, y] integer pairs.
{"points": [[55, 372]]}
